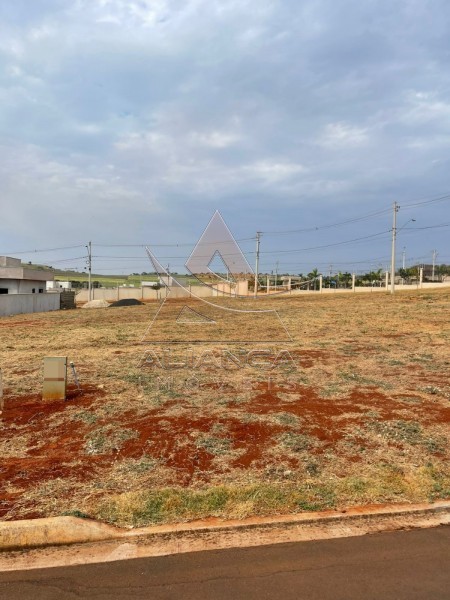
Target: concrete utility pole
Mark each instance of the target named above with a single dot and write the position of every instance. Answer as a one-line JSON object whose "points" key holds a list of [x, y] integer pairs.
{"points": [[258, 237], [394, 236], [89, 249], [434, 262], [404, 258]]}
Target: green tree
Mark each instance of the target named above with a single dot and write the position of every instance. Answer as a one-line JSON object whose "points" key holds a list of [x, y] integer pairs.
{"points": [[314, 275], [442, 270], [403, 273], [345, 278]]}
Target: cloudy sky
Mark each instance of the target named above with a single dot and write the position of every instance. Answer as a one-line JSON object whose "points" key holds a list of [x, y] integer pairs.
{"points": [[128, 122]]}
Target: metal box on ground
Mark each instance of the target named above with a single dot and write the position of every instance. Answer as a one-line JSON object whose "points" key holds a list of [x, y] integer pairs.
{"points": [[55, 378]]}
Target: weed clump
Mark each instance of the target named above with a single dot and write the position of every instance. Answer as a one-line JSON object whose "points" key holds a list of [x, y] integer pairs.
{"points": [[108, 439]]}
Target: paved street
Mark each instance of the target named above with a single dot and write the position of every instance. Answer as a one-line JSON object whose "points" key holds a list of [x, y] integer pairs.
{"points": [[404, 565]]}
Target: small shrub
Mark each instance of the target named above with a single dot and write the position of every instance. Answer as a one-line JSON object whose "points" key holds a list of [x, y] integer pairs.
{"points": [[213, 445], [296, 442], [108, 439], [86, 416]]}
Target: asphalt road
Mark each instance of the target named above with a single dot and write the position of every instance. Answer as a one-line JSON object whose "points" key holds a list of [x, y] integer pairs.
{"points": [[404, 565]]}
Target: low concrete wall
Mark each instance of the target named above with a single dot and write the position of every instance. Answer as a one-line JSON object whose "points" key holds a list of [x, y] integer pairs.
{"points": [[369, 289], [145, 293], [15, 304], [113, 294], [398, 287], [204, 291]]}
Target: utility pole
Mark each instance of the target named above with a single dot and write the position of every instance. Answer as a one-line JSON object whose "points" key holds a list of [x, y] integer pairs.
{"points": [[258, 237], [394, 236], [434, 262], [276, 276], [404, 258], [89, 262]]}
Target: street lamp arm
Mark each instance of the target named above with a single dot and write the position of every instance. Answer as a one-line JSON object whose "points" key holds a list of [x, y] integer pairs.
{"points": [[403, 226]]}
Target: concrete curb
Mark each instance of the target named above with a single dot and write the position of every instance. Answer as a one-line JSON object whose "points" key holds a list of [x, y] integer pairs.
{"points": [[317, 518], [16, 535], [63, 531]]}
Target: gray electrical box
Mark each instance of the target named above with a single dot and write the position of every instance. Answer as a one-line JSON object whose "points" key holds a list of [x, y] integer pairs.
{"points": [[55, 378]]}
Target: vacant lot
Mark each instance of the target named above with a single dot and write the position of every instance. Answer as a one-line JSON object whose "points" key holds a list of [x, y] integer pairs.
{"points": [[357, 413]]}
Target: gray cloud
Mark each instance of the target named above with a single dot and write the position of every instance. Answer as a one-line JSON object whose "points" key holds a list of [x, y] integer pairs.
{"points": [[131, 121]]}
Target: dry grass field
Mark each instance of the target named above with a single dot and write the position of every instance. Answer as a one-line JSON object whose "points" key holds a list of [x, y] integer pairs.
{"points": [[358, 413]]}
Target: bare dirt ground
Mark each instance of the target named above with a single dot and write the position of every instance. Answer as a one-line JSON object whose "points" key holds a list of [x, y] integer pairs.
{"points": [[357, 413]]}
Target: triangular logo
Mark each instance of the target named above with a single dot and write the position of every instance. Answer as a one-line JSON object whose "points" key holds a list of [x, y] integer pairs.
{"points": [[217, 239], [191, 316], [219, 268], [236, 321]]}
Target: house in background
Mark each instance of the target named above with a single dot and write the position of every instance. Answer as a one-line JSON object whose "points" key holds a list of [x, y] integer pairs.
{"points": [[23, 289], [58, 285], [16, 278]]}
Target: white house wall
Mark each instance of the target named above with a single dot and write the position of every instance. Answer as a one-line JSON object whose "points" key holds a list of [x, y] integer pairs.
{"points": [[21, 286]]}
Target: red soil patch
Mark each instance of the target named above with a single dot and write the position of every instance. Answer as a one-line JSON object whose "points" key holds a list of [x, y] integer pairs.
{"points": [[11, 324], [25, 409], [184, 442], [45, 459]]}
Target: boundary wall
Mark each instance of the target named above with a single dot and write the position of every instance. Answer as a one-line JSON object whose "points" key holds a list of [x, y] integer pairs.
{"points": [[146, 293], [16, 304], [369, 289]]}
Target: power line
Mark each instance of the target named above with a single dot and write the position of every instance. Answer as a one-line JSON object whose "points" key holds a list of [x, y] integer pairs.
{"points": [[248, 239], [337, 263], [372, 215], [185, 245], [429, 201], [272, 252], [318, 228], [354, 240], [61, 260], [43, 250], [429, 227]]}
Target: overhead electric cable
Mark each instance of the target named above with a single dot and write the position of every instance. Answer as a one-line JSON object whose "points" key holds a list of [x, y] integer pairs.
{"points": [[429, 201], [331, 225], [42, 250]]}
